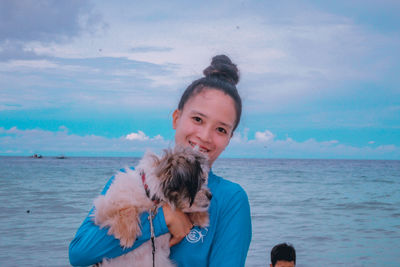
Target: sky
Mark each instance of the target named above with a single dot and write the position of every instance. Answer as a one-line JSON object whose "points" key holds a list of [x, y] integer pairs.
{"points": [[319, 79]]}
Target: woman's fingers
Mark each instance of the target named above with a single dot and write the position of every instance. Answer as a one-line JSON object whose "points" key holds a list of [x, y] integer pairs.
{"points": [[178, 223]]}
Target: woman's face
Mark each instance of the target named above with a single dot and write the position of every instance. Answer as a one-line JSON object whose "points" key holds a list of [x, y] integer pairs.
{"points": [[206, 120]]}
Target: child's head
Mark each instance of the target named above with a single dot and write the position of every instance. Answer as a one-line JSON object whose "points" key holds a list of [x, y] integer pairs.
{"points": [[283, 255]]}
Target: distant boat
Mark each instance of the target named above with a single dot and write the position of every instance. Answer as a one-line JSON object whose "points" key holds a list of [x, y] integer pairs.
{"points": [[61, 157], [37, 156]]}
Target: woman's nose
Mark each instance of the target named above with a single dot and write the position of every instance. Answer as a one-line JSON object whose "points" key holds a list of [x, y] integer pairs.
{"points": [[205, 134]]}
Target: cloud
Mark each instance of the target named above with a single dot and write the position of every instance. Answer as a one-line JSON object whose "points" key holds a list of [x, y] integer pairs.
{"points": [[264, 136], [266, 145], [308, 66], [141, 136], [146, 49], [26, 22], [49, 20], [15, 50], [15, 141], [92, 82], [283, 60]]}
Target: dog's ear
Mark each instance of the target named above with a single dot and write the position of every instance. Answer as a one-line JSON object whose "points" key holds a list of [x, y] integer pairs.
{"points": [[189, 174], [182, 181], [173, 198], [180, 171], [194, 155]]}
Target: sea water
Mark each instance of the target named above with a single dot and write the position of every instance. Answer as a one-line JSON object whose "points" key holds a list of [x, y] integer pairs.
{"points": [[334, 212]]}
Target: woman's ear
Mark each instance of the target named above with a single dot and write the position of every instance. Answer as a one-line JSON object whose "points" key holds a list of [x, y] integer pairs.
{"points": [[175, 118]]}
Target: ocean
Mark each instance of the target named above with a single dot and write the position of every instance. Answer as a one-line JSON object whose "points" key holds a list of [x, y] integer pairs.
{"points": [[334, 212]]}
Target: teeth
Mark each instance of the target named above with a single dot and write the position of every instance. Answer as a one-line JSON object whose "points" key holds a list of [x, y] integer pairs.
{"points": [[197, 147]]}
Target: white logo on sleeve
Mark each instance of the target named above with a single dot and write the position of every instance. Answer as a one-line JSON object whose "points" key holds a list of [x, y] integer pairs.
{"points": [[196, 234]]}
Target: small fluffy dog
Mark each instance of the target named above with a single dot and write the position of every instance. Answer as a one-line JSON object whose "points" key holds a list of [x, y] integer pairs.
{"points": [[179, 178]]}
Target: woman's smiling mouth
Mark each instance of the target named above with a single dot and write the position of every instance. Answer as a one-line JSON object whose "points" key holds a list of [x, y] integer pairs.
{"points": [[200, 148]]}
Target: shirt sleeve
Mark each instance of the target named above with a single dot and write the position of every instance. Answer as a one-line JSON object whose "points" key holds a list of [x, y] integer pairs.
{"points": [[92, 244], [233, 234]]}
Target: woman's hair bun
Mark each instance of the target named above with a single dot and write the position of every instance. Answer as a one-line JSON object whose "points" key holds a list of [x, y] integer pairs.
{"points": [[222, 68]]}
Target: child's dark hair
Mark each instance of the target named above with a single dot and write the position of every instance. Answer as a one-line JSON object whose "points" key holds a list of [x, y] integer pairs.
{"points": [[221, 75], [283, 252]]}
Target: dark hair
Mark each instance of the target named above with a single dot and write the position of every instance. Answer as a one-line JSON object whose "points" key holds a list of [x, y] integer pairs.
{"points": [[221, 75], [283, 252]]}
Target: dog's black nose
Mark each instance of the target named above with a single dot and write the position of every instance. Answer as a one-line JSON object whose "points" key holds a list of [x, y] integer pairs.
{"points": [[209, 195]]}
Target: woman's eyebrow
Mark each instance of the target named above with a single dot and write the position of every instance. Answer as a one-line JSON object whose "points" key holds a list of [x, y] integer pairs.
{"points": [[226, 125], [195, 112]]}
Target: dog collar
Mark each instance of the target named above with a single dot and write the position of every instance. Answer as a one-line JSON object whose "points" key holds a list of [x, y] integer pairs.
{"points": [[155, 200]]}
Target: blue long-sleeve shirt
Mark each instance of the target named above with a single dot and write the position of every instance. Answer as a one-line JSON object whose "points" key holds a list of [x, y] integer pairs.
{"points": [[224, 243]]}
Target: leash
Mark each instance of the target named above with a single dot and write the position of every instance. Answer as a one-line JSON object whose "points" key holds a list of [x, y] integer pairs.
{"points": [[152, 236], [152, 214]]}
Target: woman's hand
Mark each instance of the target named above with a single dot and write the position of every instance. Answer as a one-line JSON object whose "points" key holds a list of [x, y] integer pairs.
{"points": [[178, 224]]}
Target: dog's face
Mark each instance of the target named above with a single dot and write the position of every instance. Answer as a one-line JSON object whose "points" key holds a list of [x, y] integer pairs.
{"points": [[184, 173]]}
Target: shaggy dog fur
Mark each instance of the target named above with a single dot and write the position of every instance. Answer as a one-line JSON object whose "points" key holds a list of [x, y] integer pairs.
{"points": [[178, 178]]}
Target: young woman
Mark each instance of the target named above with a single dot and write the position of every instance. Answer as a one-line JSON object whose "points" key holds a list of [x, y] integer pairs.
{"points": [[207, 115]]}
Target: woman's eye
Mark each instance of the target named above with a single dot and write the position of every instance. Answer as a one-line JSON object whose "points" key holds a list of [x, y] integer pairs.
{"points": [[196, 119], [221, 130]]}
